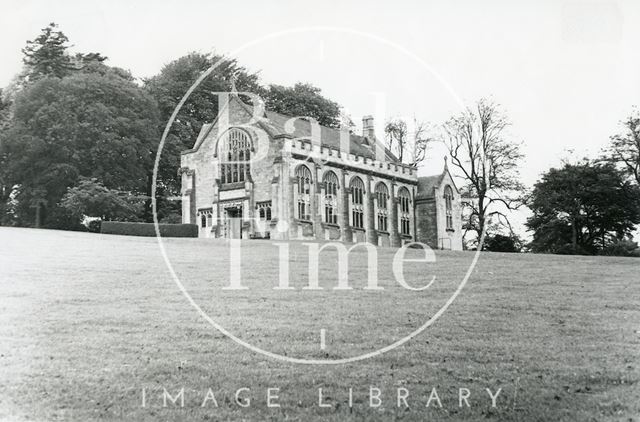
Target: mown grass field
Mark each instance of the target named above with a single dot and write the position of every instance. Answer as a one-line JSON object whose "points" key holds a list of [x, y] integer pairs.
{"points": [[88, 321]]}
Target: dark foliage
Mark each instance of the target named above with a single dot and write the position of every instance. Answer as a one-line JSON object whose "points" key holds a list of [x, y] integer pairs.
{"points": [[91, 198], [582, 209], [625, 247], [502, 243], [303, 100], [94, 226], [95, 125], [46, 55], [168, 88]]}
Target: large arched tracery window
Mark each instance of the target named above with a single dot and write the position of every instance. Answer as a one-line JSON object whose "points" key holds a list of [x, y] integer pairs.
{"points": [[235, 154]]}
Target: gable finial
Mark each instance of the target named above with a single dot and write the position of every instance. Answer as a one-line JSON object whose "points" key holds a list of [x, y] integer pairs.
{"points": [[446, 167], [234, 78]]}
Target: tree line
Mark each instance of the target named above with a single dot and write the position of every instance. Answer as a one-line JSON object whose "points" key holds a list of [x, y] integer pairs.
{"points": [[78, 138]]}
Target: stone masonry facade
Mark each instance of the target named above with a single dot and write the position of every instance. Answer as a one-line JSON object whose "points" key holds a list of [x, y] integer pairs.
{"points": [[281, 177]]}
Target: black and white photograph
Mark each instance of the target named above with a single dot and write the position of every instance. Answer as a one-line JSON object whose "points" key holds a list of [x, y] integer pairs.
{"points": [[320, 210]]}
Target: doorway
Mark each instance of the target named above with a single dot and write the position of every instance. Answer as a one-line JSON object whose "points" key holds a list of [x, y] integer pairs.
{"points": [[233, 222]]}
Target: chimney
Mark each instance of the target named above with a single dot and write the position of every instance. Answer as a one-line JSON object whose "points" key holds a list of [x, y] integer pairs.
{"points": [[367, 128]]}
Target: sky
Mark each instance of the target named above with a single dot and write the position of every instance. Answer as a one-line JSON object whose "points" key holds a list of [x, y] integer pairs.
{"points": [[565, 72]]}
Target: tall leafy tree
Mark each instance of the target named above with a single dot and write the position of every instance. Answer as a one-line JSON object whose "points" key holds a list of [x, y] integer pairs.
{"points": [[47, 54], [624, 148], [303, 99], [5, 188], [175, 78], [168, 88], [582, 208], [488, 161], [98, 125]]}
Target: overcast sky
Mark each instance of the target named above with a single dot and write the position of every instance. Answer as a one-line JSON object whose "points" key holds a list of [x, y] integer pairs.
{"points": [[566, 72]]}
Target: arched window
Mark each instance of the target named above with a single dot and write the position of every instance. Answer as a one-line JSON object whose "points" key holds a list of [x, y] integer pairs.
{"points": [[404, 200], [235, 155], [304, 192], [203, 221], [382, 201], [357, 202], [330, 181], [448, 200]]}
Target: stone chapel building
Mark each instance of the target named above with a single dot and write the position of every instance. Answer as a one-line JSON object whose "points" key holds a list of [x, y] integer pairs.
{"points": [[281, 177]]}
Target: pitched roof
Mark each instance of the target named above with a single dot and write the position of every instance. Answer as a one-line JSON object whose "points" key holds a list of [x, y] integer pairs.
{"points": [[427, 185], [330, 137], [275, 124]]}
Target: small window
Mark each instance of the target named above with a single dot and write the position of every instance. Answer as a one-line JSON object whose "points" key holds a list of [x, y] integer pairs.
{"points": [[264, 210], [203, 221]]}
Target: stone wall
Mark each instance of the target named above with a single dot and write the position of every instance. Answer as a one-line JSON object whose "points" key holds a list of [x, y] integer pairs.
{"points": [[272, 178], [427, 220]]}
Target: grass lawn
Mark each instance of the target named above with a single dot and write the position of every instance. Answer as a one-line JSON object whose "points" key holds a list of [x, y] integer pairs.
{"points": [[88, 322]]}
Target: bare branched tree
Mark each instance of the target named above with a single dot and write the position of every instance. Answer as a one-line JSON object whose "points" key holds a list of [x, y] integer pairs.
{"points": [[488, 163], [408, 140], [624, 148]]}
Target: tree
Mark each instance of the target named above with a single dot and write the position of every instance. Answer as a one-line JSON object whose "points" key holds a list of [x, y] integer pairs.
{"points": [[582, 208], [409, 144], [175, 78], [303, 99], [168, 88], [47, 54], [624, 148], [488, 163], [88, 124], [90, 198], [83, 60]]}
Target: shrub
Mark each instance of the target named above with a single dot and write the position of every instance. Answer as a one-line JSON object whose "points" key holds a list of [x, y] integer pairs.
{"points": [[569, 249], [94, 226], [502, 243], [626, 247], [148, 229]]}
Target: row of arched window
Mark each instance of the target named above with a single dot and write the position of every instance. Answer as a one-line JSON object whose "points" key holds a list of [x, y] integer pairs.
{"points": [[235, 156], [356, 201]]}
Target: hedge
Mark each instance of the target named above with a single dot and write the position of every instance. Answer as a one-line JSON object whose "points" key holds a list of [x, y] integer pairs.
{"points": [[148, 229]]}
